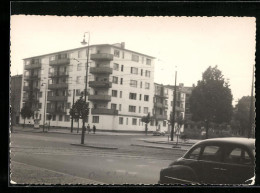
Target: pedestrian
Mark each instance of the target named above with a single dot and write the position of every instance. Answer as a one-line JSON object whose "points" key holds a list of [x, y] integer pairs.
{"points": [[88, 127], [94, 129]]}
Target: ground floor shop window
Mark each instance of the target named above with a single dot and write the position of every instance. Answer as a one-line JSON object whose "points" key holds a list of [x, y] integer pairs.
{"points": [[121, 120], [95, 119]]}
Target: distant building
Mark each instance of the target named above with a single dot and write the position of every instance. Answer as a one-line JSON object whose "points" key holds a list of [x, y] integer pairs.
{"points": [[15, 100]]}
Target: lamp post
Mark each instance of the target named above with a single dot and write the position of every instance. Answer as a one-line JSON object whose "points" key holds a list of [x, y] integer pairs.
{"points": [[44, 108], [251, 110], [86, 83], [173, 107]]}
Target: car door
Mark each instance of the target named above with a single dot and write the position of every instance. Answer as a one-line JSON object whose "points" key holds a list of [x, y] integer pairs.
{"points": [[210, 163], [238, 164]]}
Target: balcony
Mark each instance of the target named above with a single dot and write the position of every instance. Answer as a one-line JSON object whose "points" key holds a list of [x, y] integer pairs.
{"points": [[32, 66], [58, 74], [101, 70], [101, 56], [160, 105], [57, 98], [179, 109], [63, 61], [58, 86], [104, 111], [26, 88], [100, 84], [56, 111], [161, 95], [160, 117], [99, 98]]}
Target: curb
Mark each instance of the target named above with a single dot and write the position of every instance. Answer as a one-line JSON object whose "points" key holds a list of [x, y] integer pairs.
{"points": [[150, 146], [159, 142], [93, 146]]}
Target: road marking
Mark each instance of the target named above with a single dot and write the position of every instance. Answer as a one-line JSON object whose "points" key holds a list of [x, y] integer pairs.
{"points": [[92, 181]]}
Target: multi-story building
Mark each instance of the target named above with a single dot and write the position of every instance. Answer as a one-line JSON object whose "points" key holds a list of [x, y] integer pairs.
{"points": [[16, 86], [120, 86]]}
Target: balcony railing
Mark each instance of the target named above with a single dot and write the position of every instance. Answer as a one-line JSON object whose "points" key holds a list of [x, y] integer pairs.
{"points": [[179, 109], [161, 95], [57, 86], [56, 111], [99, 98], [100, 84], [63, 61], [101, 111], [160, 117], [101, 70], [31, 66], [57, 98], [55, 74], [101, 56]]}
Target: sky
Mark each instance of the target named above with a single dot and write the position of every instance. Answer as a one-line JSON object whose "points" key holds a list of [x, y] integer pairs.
{"points": [[188, 45]]}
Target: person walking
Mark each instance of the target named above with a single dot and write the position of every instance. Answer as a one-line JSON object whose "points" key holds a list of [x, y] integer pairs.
{"points": [[88, 127], [94, 129]]}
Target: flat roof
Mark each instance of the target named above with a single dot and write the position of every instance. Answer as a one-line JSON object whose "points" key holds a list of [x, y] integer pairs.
{"points": [[110, 45]]}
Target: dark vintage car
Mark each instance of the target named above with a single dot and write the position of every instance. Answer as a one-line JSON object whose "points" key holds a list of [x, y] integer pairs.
{"points": [[213, 161]]}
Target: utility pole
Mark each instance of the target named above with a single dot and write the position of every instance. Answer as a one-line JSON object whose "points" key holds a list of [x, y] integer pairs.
{"points": [[44, 110], [71, 130], [173, 107], [251, 112], [86, 85]]}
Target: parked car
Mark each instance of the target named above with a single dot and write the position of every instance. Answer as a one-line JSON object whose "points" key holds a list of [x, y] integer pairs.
{"points": [[213, 161], [159, 133]]}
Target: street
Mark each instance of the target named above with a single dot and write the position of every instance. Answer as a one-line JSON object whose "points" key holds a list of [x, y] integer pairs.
{"points": [[49, 158]]}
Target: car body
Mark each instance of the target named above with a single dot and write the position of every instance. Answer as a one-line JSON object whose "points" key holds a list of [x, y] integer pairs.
{"points": [[159, 133], [213, 161]]}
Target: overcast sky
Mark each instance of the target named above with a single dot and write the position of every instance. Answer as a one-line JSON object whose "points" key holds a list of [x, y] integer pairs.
{"points": [[186, 44]]}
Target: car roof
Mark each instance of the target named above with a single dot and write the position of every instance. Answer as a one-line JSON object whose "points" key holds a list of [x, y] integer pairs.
{"points": [[249, 142]]}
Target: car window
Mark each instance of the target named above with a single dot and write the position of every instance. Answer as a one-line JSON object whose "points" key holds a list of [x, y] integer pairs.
{"points": [[237, 156], [211, 153], [194, 154]]}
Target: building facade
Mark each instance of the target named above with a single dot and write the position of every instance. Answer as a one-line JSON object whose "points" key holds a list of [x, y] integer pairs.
{"points": [[16, 86], [120, 86]]}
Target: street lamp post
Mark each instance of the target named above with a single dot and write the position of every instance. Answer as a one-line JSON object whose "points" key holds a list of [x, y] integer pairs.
{"points": [[44, 108], [173, 107], [86, 83]]}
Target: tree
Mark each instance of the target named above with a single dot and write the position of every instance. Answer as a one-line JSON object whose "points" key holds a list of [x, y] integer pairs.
{"points": [[26, 112], [146, 120], [241, 114], [81, 109], [211, 99]]}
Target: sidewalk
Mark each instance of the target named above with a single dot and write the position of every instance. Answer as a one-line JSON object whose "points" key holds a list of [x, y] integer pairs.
{"points": [[67, 131]]}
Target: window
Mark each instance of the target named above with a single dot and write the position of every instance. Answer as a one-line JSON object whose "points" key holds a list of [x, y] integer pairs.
{"points": [[122, 68], [194, 153], [78, 80], [147, 85], [120, 94], [134, 121], [134, 70], [117, 53], [114, 93], [79, 67], [164, 123], [78, 93], [54, 117], [148, 61], [120, 106], [131, 108], [116, 66], [95, 119], [68, 105], [123, 55], [140, 97], [115, 80], [113, 106], [141, 84], [127, 121], [141, 72], [60, 117], [121, 120], [147, 73], [40, 94], [211, 153], [67, 118], [237, 156], [132, 96], [139, 109], [133, 83], [40, 105], [145, 110], [121, 81], [146, 97], [135, 58]]}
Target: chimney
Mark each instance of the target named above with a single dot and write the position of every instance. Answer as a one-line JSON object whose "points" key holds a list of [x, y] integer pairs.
{"points": [[123, 45]]}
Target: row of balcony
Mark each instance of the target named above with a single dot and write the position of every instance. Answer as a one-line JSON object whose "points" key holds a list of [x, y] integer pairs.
{"points": [[160, 105], [32, 66], [161, 95], [34, 88], [100, 84], [100, 70], [101, 56], [57, 98], [56, 110], [58, 86], [57, 74], [62, 61], [32, 77]]}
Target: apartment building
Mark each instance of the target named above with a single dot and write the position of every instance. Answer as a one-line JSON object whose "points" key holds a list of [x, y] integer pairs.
{"points": [[120, 86]]}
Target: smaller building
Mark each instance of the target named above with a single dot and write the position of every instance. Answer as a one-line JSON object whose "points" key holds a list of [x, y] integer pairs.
{"points": [[15, 98]]}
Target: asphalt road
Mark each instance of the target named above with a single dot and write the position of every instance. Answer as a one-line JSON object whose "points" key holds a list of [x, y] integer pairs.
{"points": [[53, 154]]}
